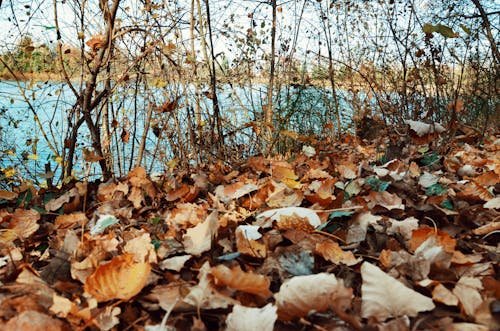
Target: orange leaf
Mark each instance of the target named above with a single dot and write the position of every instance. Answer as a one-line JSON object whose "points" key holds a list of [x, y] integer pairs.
{"points": [[7, 195], [95, 43], [249, 246], [442, 238], [474, 192], [242, 281], [332, 252], [121, 278], [489, 178]]}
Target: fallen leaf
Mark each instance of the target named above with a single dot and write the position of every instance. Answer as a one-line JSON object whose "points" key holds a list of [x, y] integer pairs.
{"points": [[24, 222], [276, 214], [250, 319], [30, 320], [300, 295], [332, 252], [384, 297], [7, 195], [234, 191], [467, 291], [204, 295], [120, 278], [199, 238], [443, 295], [242, 281], [443, 239], [175, 263]]}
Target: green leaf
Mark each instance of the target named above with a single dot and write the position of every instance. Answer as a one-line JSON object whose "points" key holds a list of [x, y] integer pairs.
{"points": [[156, 243], [465, 29], [442, 29], [377, 184], [430, 158], [339, 213], [39, 209], [436, 189], [155, 220], [447, 204], [428, 28], [445, 31]]}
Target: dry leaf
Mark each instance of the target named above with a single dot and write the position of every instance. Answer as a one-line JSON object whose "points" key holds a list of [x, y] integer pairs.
{"points": [[302, 294], [443, 295], [246, 241], [7, 195], [251, 319], [241, 281], [175, 263], [121, 278], [204, 295], [57, 203], [234, 191], [384, 296], [276, 214], [467, 291], [30, 320], [332, 252], [422, 129], [107, 319], [443, 239], [199, 239], [141, 248], [24, 222], [358, 229], [61, 306]]}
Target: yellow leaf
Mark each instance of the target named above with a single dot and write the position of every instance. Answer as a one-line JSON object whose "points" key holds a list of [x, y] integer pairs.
{"points": [[292, 183], [33, 157], [8, 172], [121, 278]]}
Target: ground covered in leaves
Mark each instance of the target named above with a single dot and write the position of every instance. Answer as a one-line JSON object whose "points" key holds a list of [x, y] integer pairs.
{"points": [[342, 236]]}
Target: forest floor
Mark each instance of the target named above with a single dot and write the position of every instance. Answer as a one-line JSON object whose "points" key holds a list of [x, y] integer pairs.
{"points": [[346, 235]]}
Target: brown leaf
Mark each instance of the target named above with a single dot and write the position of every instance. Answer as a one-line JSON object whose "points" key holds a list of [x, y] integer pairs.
{"points": [[7, 195], [241, 281], [30, 320], [24, 222]]}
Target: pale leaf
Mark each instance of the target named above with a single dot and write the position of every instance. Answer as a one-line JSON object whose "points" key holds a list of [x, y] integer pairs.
{"points": [[199, 239], [250, 319], [422, 128], [204, 295], [384, 297], [302, 294], [174, 263], [467, 292], [276, 214]]}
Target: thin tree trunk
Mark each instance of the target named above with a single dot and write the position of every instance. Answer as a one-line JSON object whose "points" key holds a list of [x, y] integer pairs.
{"points": [[218, 138], [268, 112]]}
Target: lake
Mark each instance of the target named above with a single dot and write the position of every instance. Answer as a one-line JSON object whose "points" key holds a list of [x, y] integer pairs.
{"points": [[23, 147]]}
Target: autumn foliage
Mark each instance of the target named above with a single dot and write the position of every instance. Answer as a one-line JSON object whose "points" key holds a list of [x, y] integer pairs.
{"points": [[334, 240]]}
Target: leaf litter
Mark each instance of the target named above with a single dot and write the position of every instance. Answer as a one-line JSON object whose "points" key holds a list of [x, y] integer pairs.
{"points": [[329, 239]]}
